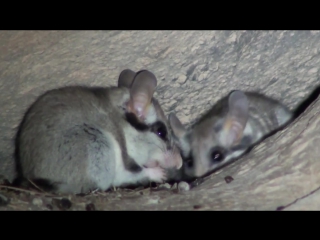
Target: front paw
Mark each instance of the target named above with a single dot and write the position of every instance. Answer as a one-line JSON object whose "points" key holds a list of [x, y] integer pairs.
{"points": [[156, 174]]}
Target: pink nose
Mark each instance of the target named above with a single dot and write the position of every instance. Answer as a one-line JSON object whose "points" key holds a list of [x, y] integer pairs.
{"points": [[173, 160]]}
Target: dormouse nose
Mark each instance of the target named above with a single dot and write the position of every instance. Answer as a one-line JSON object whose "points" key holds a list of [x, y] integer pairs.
{"points": [[177, 157], [200, 170], [179, 161]]}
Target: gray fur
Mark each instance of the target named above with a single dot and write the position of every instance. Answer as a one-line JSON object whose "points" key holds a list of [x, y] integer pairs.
{"points": [[231, 127], [78, 139]]}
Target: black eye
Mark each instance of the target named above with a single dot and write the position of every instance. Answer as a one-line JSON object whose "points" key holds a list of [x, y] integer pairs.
{"points": [[216, 155], [189, 163], [160, 129]]}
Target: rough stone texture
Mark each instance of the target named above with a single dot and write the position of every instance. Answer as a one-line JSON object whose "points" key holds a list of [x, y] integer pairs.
{"points": [[194, 69]]}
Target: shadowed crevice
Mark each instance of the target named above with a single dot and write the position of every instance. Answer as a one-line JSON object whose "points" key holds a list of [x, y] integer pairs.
{"points": [[302, 107]]}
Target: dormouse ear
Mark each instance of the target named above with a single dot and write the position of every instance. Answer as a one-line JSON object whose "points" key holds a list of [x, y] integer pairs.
{"points": [[126, 78], [236, 119], [141, 92], [176, 126]]}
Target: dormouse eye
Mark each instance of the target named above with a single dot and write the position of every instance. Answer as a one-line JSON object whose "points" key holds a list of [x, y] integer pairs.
{"points": [[160, 129], [189, 163], [216, 155]]}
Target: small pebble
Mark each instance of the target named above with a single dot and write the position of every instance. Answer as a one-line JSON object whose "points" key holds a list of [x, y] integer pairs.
{"points": [[174, 186], [90, 207], [3, 200], [228, 179], [183, 186], [165, 185], [182, 79], [37, 201], [153, 201]]}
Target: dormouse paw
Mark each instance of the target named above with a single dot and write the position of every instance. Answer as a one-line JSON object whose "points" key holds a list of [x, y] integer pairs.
{"points": [[156, 174]]}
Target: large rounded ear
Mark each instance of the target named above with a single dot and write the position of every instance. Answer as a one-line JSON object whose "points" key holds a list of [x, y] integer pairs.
{"points": [[176, 126], [236, 119], [141, 93], [126, 78]]}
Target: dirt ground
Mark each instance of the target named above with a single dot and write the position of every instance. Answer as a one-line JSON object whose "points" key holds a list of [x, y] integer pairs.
{"points": [[194, 69]]}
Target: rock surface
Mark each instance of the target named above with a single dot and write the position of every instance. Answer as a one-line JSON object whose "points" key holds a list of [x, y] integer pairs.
{"points": [[194, 69]]}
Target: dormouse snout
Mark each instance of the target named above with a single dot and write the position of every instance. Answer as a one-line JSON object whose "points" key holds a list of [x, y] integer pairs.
{"points": [[178, 160], [173, 158]]}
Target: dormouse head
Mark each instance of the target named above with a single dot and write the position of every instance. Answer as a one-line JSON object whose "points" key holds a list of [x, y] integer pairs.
{"points": [[145, 114], [213, 140]]}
